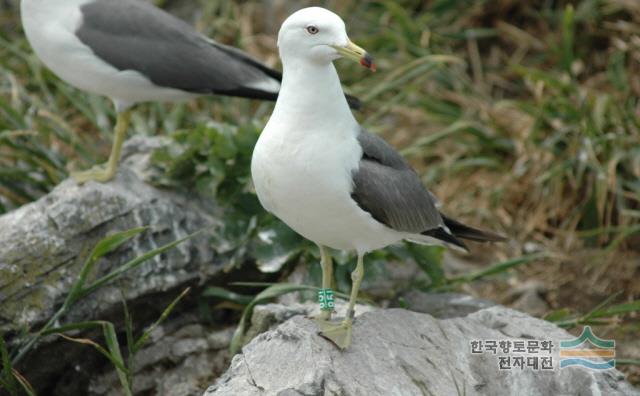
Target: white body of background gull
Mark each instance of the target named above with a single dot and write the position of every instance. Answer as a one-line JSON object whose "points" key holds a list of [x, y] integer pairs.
{"points": [[133, 52], [316, 169]]}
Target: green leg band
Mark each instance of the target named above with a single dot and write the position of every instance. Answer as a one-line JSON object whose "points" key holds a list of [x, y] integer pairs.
{"points": [[325, 298]]}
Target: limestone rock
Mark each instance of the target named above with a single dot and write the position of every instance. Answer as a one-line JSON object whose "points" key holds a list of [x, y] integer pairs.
{"points": [[181, 357], [267, 317], [444, 305], [398, 352]]}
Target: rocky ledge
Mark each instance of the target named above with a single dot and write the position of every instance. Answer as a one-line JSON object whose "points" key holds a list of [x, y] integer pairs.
{"points": [[404, 353]]}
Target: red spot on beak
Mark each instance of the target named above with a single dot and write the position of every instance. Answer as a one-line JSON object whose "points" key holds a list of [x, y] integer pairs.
{"points": [[367, 61]]}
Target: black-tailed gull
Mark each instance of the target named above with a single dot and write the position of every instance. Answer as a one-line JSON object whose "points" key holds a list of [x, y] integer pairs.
{"points": [[331, 181]]}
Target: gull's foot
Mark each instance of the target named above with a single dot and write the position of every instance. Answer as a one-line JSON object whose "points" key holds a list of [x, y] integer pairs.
{"points": [[323, 320], [99, 173], [339, 334], [322, 317]]}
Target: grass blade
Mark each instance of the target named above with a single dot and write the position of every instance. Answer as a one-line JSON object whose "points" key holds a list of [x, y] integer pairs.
{"points": [[165, 314], [128, 324], [103, 247], [7, 378], [619, 309], [496, 269], [568, 37], [219, 292], [134, 263], [116, 356], [557, 315], [80, 326], [26, 386], [112, 242], [601, 306], [96, 346]]}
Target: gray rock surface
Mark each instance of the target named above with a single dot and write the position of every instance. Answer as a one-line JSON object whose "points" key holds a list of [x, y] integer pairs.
{"points": [[269, 316], [444, 305], [43, 244], [398, 352], [178, 360]]}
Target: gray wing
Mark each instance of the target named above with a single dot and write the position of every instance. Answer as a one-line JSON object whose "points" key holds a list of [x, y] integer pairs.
{"points": [[135, 35], [386, 186]]}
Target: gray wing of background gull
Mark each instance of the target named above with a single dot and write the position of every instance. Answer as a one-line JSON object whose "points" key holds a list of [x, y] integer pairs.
{"points": [[135, 35], [388, 188]]}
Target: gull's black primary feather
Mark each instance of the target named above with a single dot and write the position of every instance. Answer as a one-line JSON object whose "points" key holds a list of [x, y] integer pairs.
{"points": [[473, 234], [390, 190]]}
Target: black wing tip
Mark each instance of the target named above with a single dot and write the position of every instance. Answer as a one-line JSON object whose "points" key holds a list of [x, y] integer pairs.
{"points": [[250, 93], [464, 231], [245, 57], [247, 93], [444, 236]]}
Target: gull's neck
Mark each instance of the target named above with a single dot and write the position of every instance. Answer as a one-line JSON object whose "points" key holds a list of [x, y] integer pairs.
{"points": [[311, 99]]}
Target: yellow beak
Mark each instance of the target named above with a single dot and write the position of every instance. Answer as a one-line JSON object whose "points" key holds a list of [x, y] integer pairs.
{"points": [[352, 51]]}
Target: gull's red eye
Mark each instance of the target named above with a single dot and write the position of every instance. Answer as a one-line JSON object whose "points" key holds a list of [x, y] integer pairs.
{"points": [[312, 29]]}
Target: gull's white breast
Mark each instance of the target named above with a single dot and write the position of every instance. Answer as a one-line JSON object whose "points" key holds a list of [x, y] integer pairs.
{"points": [[304, 178], [50, 26]]}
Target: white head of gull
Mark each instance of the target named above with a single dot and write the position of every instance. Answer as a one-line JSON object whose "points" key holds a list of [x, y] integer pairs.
{"points": [[320, 172]]}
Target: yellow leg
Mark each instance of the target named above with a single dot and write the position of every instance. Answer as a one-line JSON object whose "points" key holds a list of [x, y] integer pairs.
{"points": [[106, 172], [341, 334], [356, 278], [327, 276]]}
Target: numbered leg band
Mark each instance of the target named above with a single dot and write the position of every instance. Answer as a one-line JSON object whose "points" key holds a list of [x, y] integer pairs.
{"points": [[325, 298]]}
